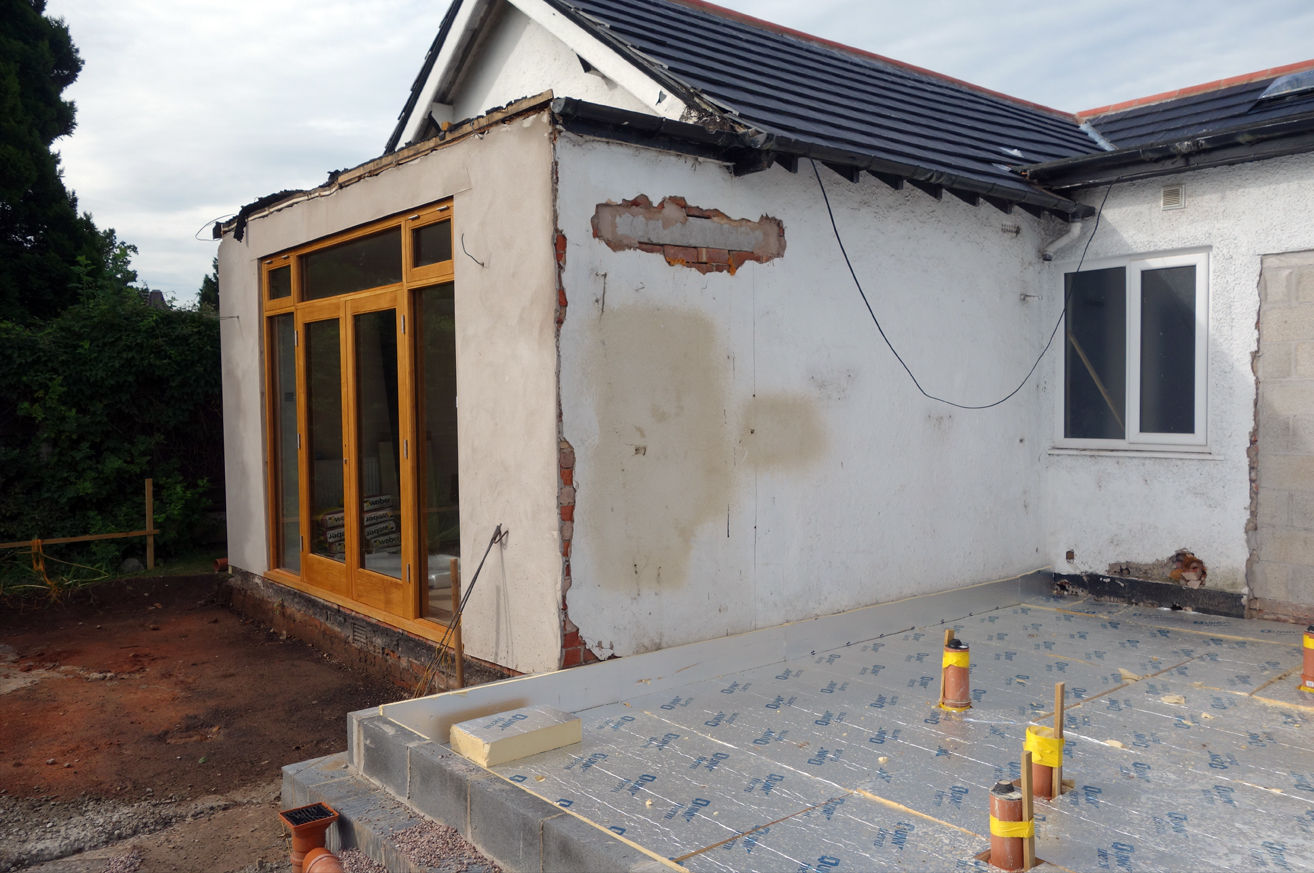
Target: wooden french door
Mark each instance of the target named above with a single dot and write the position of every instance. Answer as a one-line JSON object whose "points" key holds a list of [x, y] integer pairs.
{"points": [[356, 461]]}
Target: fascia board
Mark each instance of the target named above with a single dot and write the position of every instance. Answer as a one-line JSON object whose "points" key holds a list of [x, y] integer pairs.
{"points": [[443, 66], [604, 59]]}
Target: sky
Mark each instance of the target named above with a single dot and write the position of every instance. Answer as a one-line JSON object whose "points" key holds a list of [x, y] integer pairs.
{"points": [[187, 110]]}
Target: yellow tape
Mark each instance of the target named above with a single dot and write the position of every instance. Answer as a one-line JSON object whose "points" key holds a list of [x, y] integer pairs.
{"points": [[1022, 829], [1044, 748], [1309, 641], [957, 659], [949, 708]]}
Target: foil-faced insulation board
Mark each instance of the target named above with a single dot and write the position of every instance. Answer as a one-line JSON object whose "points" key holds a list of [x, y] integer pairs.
{"points": [[1187, 740]]}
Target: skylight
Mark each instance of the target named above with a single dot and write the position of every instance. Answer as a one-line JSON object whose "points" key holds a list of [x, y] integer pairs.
{"points": [[1285, 86]]}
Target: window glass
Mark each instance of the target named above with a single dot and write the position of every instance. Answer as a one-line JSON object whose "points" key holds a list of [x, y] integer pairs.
{"points": [[1168, 350], [287, 551], [1095, 361], [368, 262], [431, 244], [280, 282]]}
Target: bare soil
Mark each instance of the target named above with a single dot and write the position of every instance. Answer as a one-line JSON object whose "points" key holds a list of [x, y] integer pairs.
{"points": [[143, 728]]}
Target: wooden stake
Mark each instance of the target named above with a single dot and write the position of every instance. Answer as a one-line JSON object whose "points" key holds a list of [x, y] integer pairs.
{"points": [[458, 648], [150, 524], [1058, 735], [1028, 843]]}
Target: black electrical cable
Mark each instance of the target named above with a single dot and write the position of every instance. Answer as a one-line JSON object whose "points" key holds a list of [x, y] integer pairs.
{"points": [[857, 284]]}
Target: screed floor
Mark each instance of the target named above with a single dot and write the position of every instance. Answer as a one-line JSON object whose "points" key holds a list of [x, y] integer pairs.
{"points": [[1189, 743]]}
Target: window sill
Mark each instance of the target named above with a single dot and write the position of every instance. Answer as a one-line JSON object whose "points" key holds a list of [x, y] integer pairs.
{"points": [[1203, 453]]}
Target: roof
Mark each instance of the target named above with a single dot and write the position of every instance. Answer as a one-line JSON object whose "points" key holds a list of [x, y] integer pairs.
{"points": [[791, 95], [1191, 112], [1265, 114], [754, 93]]}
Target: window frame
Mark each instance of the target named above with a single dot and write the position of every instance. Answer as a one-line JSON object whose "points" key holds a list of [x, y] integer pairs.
{"points": [[1134, 438]]}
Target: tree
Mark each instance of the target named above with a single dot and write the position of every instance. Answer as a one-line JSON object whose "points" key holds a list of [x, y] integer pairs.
{"points": [[207, 299], [42, 236]]}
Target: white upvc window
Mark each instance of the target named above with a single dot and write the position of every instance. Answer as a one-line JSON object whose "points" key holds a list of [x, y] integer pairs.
{"points": [[1135, 361]]}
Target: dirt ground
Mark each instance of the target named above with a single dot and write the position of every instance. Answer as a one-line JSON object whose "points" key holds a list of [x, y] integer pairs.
{"points": [[143, 727]]}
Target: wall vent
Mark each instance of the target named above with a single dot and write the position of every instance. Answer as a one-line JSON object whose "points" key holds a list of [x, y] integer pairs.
{"points": [[1173, 197]]}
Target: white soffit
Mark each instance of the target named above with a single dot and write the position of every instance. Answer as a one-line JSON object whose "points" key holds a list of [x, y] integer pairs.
{"points": [[474, 13], [604, 59]]}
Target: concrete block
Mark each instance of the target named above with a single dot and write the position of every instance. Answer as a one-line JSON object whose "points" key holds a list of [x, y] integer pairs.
{"points": [[1275, 359], [1302, 360], [516, 734], [1289, 547], [1302, 284], [1290, 472], [441, 783], [506, 823], [353, 735], [1301, 515], [1274, 507], [1301, 440], [1286, 323], [1274, 433], [1270, 580], [570, 843], [1275, 283], [384, 746]]}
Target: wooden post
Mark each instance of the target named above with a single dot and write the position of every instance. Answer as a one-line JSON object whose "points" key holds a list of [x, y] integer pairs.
{"points": [[458, 647], [1028, 843], [948, 638], [1058, 735], [150, 524]]}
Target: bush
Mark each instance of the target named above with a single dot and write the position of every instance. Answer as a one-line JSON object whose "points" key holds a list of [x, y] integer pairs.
{"points": [[107, 393]]}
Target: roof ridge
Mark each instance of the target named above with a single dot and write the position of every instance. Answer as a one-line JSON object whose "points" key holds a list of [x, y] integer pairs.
{"points": [[763, 24], [1192, 90]]}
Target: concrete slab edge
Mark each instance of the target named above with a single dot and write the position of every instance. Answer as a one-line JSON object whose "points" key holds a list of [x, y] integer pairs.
{"points": [[515, 828]]}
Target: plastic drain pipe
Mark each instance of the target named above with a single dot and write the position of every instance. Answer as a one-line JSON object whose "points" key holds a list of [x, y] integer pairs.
{"points": [[955, 681], [308, 825], [321, 860]]}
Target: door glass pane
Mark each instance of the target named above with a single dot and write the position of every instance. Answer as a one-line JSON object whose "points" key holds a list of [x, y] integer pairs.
{"points": [[324, 437], [431, 244], [368, 262], [436, 374], [282, 367], [378, 446], [1095, 359], [1168, 350]]}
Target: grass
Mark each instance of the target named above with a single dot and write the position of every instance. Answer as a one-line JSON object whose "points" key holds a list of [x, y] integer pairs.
{"points": [[63, 574]]}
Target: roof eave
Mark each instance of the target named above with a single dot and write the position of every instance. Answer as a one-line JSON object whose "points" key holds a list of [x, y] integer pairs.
{"points": [[1236, 145], [749, 150]]}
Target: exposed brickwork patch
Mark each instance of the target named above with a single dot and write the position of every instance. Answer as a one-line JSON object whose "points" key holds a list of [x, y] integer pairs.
{"points": [[706, 240]]}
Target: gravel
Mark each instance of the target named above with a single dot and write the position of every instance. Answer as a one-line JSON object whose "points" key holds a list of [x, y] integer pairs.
{"points": [[442, 848], [356, 861]]}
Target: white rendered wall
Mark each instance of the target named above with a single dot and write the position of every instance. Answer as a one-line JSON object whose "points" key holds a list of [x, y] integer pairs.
{"points": [[506, 379], [1128, 506], [521, 59], [748, 451]]}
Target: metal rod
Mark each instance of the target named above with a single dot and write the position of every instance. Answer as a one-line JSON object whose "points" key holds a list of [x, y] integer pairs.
{"points": [[1028, 843], [1058, 735], [458, 645]]}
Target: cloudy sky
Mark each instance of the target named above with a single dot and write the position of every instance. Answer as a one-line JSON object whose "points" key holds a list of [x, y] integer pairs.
{"points": [[189, 109]]}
